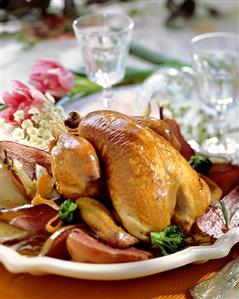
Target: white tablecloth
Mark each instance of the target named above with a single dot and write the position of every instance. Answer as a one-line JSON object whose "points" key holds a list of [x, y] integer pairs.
{"points": [[149, 31]]}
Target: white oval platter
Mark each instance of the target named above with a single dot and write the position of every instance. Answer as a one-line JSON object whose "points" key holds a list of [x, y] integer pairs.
{"points": [[17, 263]]}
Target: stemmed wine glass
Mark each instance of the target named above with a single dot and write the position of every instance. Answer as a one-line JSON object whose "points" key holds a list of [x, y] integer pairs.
{"points": [[104, 41], [215, 59]]}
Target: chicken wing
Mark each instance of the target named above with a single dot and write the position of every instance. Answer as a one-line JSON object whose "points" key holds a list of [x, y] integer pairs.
{"points": [[75, 167], [160, 127]]}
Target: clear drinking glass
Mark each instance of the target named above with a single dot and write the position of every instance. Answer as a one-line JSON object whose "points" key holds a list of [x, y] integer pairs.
{"points": [[216, 64], [104, 41]]}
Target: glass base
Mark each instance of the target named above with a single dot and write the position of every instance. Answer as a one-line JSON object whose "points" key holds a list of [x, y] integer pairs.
{"points": [[214, 145]]}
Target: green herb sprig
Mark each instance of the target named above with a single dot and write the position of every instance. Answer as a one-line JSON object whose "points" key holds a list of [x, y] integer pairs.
{"points": [[67, 211], [225, 213], [201, 164], [2, 107]]}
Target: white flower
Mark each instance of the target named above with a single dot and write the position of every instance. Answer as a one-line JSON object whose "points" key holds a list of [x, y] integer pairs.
{"points": [[44, 123], [44, 133], [59, 109], [2, 122], [18, 115], [36, 141], [35, 131], [18, 134], [36, 118], [34, 110], [33, 139], [32, 131], [58, 114], [47, 106], [27, 124]]}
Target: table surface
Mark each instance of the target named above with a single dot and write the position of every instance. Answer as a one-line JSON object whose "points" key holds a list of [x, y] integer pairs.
{"points": [[149, 31]]}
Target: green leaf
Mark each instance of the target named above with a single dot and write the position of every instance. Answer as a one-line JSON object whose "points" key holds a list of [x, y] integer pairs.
{"points": [[83, 86], [153, 57], [135, 75], [201, 164], [27, 42], [225, 213], [67, 210], [2, 107]]}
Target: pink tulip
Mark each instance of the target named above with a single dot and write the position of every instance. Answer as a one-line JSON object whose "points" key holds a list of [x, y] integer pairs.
{"points": [[50, 76], [21, 98]]}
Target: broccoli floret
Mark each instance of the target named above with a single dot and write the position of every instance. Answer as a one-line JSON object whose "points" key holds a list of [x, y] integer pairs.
{"points": [[200, 164], [169, 240]]}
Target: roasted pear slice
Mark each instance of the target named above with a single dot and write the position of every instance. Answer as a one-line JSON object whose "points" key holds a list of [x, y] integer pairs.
{"points": [[9, 233], [55, 245], [10, 196], [100, 220], [28, 217], [84, 248]]}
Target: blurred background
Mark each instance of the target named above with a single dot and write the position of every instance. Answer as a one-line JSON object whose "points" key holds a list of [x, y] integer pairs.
{"points": [[33, 29]]}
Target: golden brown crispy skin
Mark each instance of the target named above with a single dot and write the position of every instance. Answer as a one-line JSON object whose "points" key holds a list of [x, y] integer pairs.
{"points": [[146, 176], [75, 167], [160, 127], [193, 194], [193, 197], [142, 189]]}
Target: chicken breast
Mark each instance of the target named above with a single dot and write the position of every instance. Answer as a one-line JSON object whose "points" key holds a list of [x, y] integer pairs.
{"points": [[148, 180]]}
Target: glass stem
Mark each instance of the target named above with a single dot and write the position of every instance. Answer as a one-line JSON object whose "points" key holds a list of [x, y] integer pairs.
{"points": [[221, 123], [107, 96]]}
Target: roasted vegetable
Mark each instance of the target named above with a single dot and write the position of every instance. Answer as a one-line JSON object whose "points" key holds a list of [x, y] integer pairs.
{"points": [[200, 164], [169, 240], [9, 233], [102, 223], [10, 196], [30, 218], [225, 175], [55, 245], [27, 155], [186, 151], [221, 217], [84, 248], [216, 192]]}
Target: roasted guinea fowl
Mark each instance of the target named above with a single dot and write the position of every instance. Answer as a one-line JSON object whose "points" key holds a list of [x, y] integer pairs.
{"points": [[149, 182]]}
